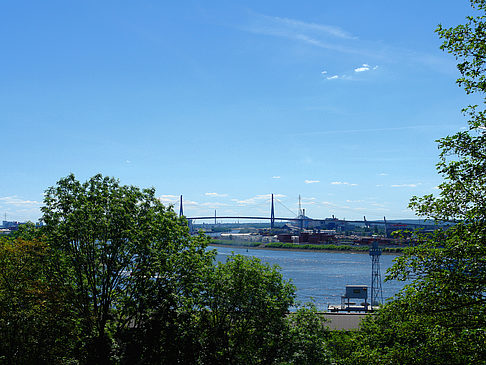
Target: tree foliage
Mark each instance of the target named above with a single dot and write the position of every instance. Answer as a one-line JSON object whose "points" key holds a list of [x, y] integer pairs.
{"points": [[440, 317], [244, 317], [115, 277], [308, 338], [134, 267], [36, 313]]}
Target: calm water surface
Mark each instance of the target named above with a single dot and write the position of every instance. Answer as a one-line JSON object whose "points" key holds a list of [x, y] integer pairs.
{"points": [[321, 276]]}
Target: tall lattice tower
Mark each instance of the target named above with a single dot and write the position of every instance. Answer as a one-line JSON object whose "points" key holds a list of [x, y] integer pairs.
{"points": [[376, 290]]}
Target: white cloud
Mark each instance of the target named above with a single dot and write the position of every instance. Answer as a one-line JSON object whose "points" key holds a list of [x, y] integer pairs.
{"points": [[169, 199], [343, 183], [14, 200], [163, 198], [363, 68], [216, 195], [309, 201], [379, 205], [258, 199], [329, 203], [312, 181], [324, 72], [213, 204], [292, 28], [190, 202], [334, 77], [275, 177], [405, 185], [383, 174]]}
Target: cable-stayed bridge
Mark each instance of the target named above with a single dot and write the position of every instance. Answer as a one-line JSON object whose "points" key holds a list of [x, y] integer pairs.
{"points": [[300, 217]]}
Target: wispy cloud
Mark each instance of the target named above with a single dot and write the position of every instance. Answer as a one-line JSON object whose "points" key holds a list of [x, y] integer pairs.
{"points": [[382, 174], [16, 201], [371, 130], [343, 183], [213, 204], [293, 28], [216, 195], [312, 181], [275, 177], [257, 199], [334, 38], [333, 77], [318, 35], [169, 199], [405, 185], [309, 201]]}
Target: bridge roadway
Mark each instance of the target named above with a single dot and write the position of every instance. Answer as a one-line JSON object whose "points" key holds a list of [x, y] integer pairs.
{"points": [[304, 219]]}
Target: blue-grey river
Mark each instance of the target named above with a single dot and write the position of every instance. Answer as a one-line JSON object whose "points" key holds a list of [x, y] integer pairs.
{"points": [[321, 276]]}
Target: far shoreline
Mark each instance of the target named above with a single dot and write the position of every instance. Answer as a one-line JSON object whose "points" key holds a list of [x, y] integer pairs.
{"points": [[299, 249]]}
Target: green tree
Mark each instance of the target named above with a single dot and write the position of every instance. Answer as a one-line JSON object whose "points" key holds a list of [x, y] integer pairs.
{"points": [[308, 338], [441, 316], [134, 268], [244, 317], [37, 322]]}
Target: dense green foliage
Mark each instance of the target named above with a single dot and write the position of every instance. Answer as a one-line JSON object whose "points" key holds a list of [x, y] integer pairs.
{"points": [[240, 293], [115, 277], [36, 322], [130, 260], [440, 318]]}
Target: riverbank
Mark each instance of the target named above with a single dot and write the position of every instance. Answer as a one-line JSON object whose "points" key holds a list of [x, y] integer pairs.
{"points": [[303, 247]]}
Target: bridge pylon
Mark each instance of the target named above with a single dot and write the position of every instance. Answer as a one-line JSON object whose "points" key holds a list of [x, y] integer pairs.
{"points": [[272, 216], [181, 209]]}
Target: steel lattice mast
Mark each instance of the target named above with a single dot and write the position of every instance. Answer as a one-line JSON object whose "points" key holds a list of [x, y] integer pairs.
{"points": [[376, 290]]}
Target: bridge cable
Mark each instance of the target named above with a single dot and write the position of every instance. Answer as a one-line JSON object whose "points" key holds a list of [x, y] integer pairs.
{"points": [[295, 215]]}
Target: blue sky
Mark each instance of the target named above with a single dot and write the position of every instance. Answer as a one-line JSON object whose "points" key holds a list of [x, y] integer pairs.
{"points": [[228, 102]]}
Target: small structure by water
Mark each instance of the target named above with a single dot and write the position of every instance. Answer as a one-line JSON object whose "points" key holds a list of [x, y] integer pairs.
{"points": [[355, 299], [360, 292]]}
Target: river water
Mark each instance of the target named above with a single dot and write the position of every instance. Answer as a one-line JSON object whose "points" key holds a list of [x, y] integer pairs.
{"points": [[321, 277]]}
